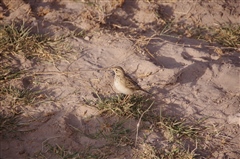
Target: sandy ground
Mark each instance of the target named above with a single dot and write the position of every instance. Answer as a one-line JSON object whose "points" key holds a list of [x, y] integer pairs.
{"points": [[187, 81]]}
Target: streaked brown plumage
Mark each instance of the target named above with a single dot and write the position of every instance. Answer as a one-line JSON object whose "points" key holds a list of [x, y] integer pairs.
{"points": [[124, 83]]}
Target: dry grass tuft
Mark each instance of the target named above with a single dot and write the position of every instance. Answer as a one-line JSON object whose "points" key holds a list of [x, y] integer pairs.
{"points": [[19, 40], [18, 44], [58, 151], [179, 128], [125, 106], [227, 35], [182, 136], [12, 100], [8, 123]]}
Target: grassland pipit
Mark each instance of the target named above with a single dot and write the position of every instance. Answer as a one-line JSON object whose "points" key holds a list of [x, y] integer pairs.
{"points": [[123, 83]]}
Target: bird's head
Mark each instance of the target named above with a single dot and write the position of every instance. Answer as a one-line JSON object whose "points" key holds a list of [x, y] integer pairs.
{"points": [[118, 70]]}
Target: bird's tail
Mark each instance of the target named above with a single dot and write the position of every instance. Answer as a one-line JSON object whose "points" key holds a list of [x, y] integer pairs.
{"points": [[145, 91]]}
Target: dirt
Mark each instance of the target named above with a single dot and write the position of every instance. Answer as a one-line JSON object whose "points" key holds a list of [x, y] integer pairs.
{"points": [[187, 80]]}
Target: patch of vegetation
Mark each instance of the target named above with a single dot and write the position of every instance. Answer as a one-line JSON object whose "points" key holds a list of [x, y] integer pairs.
{"points": [[172, 152], [13, 96], [79, 34], [64, 153], [8, 123], [179, 128], [57, 151], [145, 151], [227, 35], [181, 136], [125, 106], [17, 44], [177, 151], [9, 72], [12, 99], [21, 41], [116, 134]]}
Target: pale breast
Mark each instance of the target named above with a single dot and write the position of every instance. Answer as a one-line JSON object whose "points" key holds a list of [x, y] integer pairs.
{"points": [[122, 88]]}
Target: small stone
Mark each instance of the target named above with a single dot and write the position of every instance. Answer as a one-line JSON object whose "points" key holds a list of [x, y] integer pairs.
{"points": [[87, 38]]}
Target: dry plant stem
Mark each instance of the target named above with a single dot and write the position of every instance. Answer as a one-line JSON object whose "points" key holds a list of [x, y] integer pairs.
{"points": [[48, 140], [154, 37], [139, 121], [196, 146]]}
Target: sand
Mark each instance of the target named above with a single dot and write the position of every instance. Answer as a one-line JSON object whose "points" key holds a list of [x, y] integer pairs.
{"points": [[188, 79]]}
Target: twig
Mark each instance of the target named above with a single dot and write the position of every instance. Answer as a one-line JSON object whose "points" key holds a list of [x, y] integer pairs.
{"points": [[50, 138], [138, 124]]}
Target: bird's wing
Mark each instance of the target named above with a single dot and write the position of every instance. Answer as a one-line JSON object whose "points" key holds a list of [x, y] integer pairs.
{"points": [[131, 83]]}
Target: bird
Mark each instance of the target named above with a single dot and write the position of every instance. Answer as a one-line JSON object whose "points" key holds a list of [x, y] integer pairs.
{"points": [[124, 83]]}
